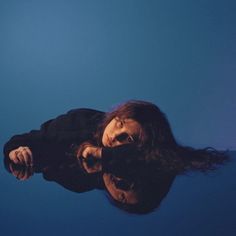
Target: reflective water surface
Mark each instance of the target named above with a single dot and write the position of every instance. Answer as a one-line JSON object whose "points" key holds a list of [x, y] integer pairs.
{"points": [[62, 198]]}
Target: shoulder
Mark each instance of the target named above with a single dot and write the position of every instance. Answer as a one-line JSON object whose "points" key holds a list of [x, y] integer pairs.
{"points": [[85, 111], [74, 119]]}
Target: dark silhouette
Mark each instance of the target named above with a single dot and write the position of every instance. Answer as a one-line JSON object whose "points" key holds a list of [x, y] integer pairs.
{"points": [[136, 124], [131, 152], [131, 185]]}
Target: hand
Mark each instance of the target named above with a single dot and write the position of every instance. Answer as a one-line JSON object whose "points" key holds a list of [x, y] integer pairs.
{"points": [[91, 166], [87, 149], [20, 172], [22, 156]]}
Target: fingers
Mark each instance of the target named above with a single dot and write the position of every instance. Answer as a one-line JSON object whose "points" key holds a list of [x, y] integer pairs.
{"points": [[27, 156], [22, 155], [86, 152], [91, 168], [92, 151], [81, 149], [13, 157], [22, 173]]}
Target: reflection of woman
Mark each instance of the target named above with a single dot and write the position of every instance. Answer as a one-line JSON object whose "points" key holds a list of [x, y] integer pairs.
{"points": [[136, 124], [139, 190], [138, 193]]}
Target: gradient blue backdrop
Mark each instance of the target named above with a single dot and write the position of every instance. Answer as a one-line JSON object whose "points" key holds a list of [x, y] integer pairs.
{"points": [[181, 55], [61, 54]]}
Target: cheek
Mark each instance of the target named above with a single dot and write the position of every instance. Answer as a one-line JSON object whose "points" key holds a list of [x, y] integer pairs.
{"points": [[106, 133], [109, 128], [106, 130]]}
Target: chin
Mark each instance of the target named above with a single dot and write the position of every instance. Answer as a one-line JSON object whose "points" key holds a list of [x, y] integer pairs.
{"points": [[104, 143]]}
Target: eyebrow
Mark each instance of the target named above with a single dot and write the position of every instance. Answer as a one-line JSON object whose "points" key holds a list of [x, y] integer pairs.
{"points": [[134, 137]]}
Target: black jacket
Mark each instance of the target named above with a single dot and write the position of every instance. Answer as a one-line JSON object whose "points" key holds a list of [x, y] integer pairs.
{"points": [[74, 127], [56, 137]]}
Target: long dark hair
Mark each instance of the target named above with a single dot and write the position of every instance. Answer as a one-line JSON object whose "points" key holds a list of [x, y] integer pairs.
{"points": [[157, 140], [155, 126]]}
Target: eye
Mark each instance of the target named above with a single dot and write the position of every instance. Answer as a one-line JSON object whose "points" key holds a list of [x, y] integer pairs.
{"points": [[123, 184], [124, 137]]}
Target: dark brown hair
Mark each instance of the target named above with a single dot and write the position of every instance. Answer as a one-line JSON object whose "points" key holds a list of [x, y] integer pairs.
{"points": [[158, 142], [149, 186], [155, 131]]}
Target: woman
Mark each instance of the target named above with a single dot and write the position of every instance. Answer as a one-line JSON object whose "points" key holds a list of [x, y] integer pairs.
{"points": [[134, 125]]}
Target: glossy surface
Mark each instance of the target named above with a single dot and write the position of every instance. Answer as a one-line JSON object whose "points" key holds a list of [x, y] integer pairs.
{"points": [[196, 204]]}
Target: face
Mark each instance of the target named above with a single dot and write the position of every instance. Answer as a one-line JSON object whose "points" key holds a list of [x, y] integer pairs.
{"points": [[119, 191], [120, 131]]}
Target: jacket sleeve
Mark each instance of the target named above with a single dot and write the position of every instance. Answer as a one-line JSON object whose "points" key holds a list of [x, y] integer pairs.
{"points": [[74, 126], [28, 139], [121, 157]]}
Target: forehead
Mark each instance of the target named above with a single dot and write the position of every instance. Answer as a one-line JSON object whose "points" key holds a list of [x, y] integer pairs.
{"points": [[131, 124]]}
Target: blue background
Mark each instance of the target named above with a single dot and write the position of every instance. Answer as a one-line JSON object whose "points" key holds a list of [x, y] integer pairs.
{"points": [[181, 55], [62, 54]]}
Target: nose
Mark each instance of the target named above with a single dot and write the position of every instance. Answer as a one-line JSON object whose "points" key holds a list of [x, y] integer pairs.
{"points": [[113, 140]]}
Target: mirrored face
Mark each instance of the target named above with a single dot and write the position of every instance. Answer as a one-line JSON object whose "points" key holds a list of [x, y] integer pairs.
{"points": [[119, 189], [120, 131]]}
